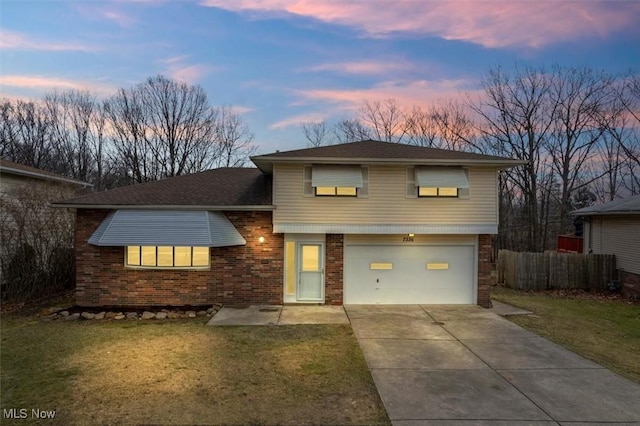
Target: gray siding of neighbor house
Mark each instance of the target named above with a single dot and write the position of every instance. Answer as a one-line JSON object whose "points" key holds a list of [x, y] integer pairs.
{"points": [[619, 235]]}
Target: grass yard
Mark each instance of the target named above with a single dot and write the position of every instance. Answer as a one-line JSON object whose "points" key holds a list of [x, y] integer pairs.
{"points": [[604, 331], [182, 371]]}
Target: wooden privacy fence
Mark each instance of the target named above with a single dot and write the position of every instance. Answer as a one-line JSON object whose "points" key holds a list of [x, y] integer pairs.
{"points": [[552, 270]]}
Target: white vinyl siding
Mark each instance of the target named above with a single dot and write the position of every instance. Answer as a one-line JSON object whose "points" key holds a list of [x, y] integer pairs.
{"points": [[387, 201], [616, 235]]}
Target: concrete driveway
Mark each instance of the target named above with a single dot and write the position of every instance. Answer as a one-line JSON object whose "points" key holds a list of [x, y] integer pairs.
{"points": [[464, 365]]}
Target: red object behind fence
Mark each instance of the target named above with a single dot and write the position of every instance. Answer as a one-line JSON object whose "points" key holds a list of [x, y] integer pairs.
{"points": [[569, 244]]}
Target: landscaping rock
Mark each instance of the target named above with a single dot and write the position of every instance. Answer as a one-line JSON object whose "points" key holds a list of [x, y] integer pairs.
{"points": [[131, 315], [87, 315], [64, 313], [191, 314], [72, 316], [100, 315], [172, 315], [211, 310], [119, 316], [201, 313], [148, 315], [110, 315], [161, 315]]}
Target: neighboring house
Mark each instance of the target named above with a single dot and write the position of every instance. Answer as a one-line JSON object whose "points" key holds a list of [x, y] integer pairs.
{"points": [[614, 228], [28, 224], [359, 223], [14, 176]]}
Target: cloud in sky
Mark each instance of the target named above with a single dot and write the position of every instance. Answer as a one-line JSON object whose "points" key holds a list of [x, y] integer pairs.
{"points": [[363, 67], [421, 93], [17, 41], [120, 18], [343, 102], [298, 120], [44, 83], [178, 68], [488, 23]]}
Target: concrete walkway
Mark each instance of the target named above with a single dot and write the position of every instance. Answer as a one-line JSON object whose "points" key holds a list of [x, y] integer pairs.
{"points": [[280, 315], [465, 365]]}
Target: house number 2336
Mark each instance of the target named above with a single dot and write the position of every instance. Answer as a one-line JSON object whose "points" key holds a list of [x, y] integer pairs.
{"points": [[407, 239]]}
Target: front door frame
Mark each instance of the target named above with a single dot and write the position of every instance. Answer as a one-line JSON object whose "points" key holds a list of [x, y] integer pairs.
{"points": [[300, 239], [299, 271]]}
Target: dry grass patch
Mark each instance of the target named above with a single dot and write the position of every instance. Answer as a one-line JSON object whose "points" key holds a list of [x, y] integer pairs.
{"points": [[603, 330], [186, 372]]}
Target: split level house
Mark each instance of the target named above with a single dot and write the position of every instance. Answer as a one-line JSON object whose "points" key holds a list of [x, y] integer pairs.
{"points": [[357, 223]]}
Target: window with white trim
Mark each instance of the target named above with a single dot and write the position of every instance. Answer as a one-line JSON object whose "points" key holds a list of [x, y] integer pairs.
{"points": [[167, 257]]}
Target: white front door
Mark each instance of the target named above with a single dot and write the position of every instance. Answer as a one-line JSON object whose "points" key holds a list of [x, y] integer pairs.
{"points": [[310, 285]]}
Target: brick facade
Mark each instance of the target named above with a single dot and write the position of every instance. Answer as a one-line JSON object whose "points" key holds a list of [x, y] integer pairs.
{"points": [[485, 248], [630, 284], [240, 275], [250, 274], [334, 267]]}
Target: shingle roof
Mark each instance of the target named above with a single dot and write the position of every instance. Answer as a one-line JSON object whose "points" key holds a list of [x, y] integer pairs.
{"points": [[629, 205], [217, 187], [20, 169], [377, 150]]}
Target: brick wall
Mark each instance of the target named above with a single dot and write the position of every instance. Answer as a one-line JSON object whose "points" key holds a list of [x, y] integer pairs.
{"points": [[630, 284], [249, 274], [334, 265], [485, 248]]}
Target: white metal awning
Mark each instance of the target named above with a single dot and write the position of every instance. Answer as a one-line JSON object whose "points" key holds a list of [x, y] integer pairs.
{"points": [[441, 177], [166, 228], [338, 176]]}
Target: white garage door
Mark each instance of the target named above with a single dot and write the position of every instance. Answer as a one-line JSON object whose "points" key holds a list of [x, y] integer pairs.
{"points": [[394, 274]]}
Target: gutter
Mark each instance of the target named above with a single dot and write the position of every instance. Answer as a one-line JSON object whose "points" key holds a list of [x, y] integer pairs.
{"points": [[44, 176], [266, 164], [163, 207]]}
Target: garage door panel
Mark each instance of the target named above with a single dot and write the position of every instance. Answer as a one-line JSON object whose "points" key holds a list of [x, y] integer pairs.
{"points": [[409, 280]]}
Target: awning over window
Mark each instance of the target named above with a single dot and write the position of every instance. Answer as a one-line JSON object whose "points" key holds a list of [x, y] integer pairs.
{"points": [[441, 177], [350, 176], [166, 228]]}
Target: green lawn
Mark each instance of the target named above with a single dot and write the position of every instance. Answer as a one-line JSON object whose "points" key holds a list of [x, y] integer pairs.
{"points": [[604, 331], [182, 371]]}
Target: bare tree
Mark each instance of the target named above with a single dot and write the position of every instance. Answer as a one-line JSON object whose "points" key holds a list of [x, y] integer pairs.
{"points": [[233, 137], [422, 128], [162, 128], [316, 133], [583, 100], [517, 121], [26, 133], [386, 119], [351, 130], [131, 150]]}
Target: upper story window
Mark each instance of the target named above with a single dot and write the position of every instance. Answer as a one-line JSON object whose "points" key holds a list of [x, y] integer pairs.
{"points": [[445, 182], [336, 191], [167, 257], [336, 181]]}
